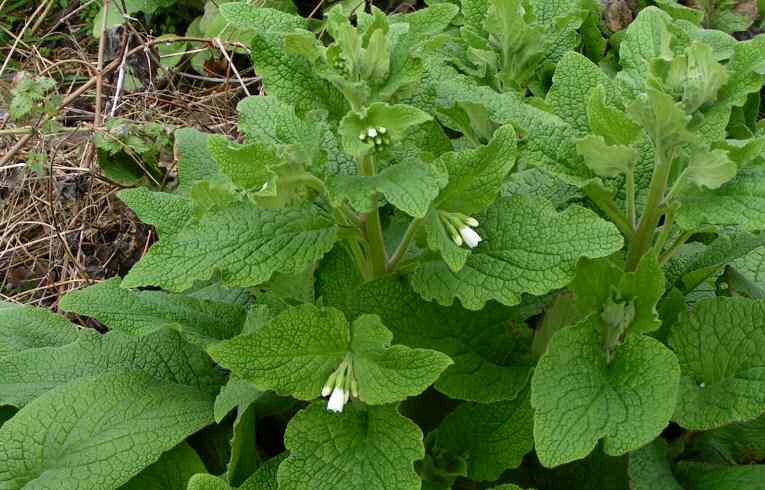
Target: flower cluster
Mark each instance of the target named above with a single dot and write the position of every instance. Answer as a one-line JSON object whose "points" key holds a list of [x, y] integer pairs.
{"points": [[460, 228], [341, 66], [377, 136], [340, 386]]}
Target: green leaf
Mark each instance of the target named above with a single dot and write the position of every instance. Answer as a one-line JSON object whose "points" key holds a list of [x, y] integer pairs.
{"points": [[627, 402], [489, 350], [263, 479], [195, 163], [25, 327], [604, 159], [646, 38], [171, 472], [476, 176], [248, 17], [746, 72], [681, 12], [297, 351], [610, 123], [492, 438], [163, 355], [740, 443], [292, 79], [244, 451], [262, 242], [663, 119], [548, 142], [346, 451], [142, 312], [237, 393], [739, 202], [98, 432], [721, 347], [502, 268], [702, 476], [167, 212], [439, 240], [293, 354], [249, 166], [710, 168], [570, 96], [409, 186], [388, 373], [650, 468], [395, 119]]}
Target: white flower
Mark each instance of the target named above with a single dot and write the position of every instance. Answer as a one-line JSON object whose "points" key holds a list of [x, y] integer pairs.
{"points": [[372, 132], [472, 239], [337, 400]]}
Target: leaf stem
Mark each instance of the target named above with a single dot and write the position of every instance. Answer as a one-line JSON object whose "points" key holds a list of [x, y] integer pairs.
{"points": [[652, 212], [666, 229], [373, 226], [631, 212], [608, 206], [403, 246]]}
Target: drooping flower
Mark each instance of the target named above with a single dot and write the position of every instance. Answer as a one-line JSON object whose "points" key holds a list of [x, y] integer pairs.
{"points": [[337, 400], [471, 238]]}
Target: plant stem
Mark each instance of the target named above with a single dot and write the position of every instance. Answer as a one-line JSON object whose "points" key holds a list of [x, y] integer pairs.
{"points": [[608, 206], [374, 227], [653, 211], [666, 229], [631, 212], [403, 246]]}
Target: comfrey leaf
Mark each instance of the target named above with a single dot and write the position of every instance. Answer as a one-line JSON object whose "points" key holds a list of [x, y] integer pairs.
{"points": [[344, 452], [720, 350], [475, 176], [603, 159], [298, 351], [710, 168], [263, 241], [491, 437], [502, 268], [378, 126], [627, 402], [609, 122], [664, 120]]}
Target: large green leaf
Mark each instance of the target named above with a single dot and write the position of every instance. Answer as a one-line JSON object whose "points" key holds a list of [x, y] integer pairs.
{"points": [[721, 347], [297, 351], [476, 176], [164, 355], [292, 79], [263, 479], [409, 186], [373, 449], [528, 248], [27, 327], [171, 472], [141, 312], [650, 468], [167, 212], [575, 76], [97, 433], [646, 38], [579, 398], [739, 202], [489, 350], [492, 437], [244, 243], [702, 476], [249, 17], [194, 160]]}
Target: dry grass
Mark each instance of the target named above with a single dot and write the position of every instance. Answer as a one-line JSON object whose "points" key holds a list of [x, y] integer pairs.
{"points": [[66, 228]]}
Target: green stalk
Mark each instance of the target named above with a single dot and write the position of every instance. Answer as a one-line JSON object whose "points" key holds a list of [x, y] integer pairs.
{"points": [[374, 227], [641, 242], [607, 205], [631, 212], [403, 246]]}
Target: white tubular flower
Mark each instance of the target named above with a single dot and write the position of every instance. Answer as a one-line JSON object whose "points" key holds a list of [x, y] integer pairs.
{"points": [[337, 400], [372, 132], [471, 222], [471, 238]]}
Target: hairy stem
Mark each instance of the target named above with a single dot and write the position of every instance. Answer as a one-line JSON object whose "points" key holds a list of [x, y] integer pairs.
{"points": [[608, 206], [403, 246], [374, 227], [631, 212], [652, 212]]}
